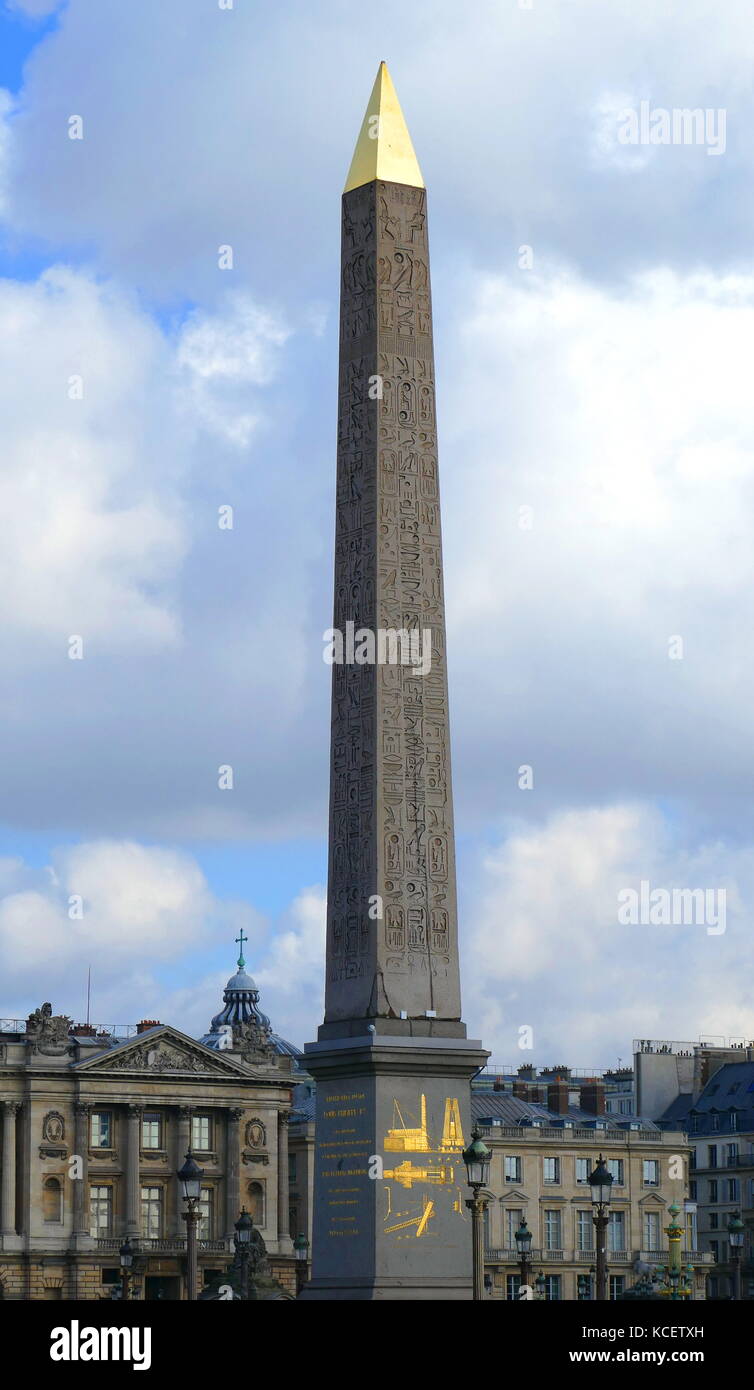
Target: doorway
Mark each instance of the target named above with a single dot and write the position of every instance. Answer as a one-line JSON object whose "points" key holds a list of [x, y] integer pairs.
{"points": [[162, 1287]]}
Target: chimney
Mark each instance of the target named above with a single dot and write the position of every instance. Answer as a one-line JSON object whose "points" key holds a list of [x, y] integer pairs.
{"points": [[527, 1072], [147, 1023], [82, 1030], [593, 1096], [557, 1097], [521, 1090]]}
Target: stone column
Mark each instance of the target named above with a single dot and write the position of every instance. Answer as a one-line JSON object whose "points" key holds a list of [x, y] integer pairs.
{"points": [[133, 1152], [8, 1197], [183, 1142], [81, 1183], [232, 1179], [285, 1246]]}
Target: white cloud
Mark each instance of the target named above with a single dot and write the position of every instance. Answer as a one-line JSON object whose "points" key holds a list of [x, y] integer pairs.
{"points": [[624, 419], [101, 412], [125, 907], [547, 949], [220, 355]]}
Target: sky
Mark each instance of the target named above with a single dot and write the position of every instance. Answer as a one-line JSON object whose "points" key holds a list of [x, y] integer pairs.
{"points": [[593, 315]]}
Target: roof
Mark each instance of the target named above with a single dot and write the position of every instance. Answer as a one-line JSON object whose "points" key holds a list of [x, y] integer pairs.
{"points": [[731, 1088], [509, 1110]]}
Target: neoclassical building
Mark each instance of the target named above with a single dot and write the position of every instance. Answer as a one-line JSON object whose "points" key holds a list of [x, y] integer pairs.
{"points": [[94, 1127]]}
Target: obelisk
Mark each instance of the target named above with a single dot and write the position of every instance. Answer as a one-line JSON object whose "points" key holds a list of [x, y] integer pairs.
{"points": [[392, 1061]]}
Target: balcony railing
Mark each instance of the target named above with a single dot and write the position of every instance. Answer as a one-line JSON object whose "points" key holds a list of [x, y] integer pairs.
{"points": [[498, 1255], [609, 1136], [170, 1245]]}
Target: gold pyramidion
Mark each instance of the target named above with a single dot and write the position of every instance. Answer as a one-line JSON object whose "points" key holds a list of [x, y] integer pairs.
{"points": [[384, 149]]}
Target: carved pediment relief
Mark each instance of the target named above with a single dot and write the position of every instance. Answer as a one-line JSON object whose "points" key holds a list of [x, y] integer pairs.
{"points": [[168, 1052]]}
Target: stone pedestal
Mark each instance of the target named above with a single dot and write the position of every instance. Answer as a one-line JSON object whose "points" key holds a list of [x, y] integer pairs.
{"points": [[390, 1217]]}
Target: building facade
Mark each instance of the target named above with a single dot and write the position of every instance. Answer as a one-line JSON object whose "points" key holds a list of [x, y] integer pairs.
{"points": [[720, 1124], [542, 1156], [95, 1127]]}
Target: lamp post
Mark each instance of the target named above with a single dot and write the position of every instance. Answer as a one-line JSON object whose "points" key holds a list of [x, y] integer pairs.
{"points": [[190, 1177], [674, 1233], [477, 1159], [301, 1251], [523, 1245], [736, 1238], [242, 1242], [601, 1182], [126, 1261]]}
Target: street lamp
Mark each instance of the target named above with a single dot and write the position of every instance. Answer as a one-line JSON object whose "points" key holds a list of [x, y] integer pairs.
{"points": [[540, 1284], [126, 1261], [190, 1178], [477, 1159], [601, 1182], [301, 1251], [736, 1238], [523, 1245], [242, 1241]]}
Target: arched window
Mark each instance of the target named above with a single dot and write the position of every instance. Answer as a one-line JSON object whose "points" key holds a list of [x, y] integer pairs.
{"points": [[52, 1200], [256, 1203]]}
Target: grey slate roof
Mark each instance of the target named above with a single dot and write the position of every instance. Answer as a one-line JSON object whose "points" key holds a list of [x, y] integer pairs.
{"points": [[509, 1110], [731, 1088]]}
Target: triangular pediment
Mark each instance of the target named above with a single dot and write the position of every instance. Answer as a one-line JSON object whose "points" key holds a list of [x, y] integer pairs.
{"points": [[513, 1195], [163, 1051]]}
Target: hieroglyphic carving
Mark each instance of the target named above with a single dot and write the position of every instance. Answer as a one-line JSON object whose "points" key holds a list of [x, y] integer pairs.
{"points": [[391, 822]]}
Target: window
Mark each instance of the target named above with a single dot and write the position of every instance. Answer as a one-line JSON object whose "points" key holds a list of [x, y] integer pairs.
{"points": [[693, 1124], [617, 1285], [714, 1122], [733, 1088], [651, 1231], [626, 1107], [206, 1213], [553, 1229], [292, 1167], [713, 1189], [512, 1169], [714, 1220], [151, 1131], [733, 1190], [513, 1219], [551, 1170], [512, 1286], [692, 1191], [582, 1170], [714, 1246], [733, 1116], [584, 1230], [552, 1287], [615, 1166], [52, 1200], [616, 1231], [102, 1129], [200, 1134], [583, 1288], [731, 1155], [100, 1211], [151, 1212], [651, 1172], [692, 1159], [712, 1155], [256, 1202]]}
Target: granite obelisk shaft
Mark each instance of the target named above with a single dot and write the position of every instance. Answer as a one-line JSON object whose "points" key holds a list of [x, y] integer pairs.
{"points": [[392, 946]]}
